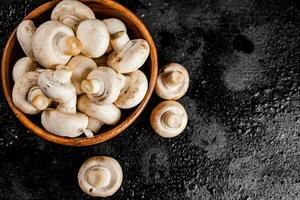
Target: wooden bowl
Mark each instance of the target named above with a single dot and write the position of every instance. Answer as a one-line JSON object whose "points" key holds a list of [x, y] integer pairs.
{"points": [[102, 9]]}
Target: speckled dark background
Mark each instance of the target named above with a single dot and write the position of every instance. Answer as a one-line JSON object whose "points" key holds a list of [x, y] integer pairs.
{"points": [[243, 137]]}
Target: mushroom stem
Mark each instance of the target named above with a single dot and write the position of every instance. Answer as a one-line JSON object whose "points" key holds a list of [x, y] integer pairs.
{"points": [[88, 133], [171, 119], [70, 45], [37, 98], [92, 86], [119, 40], [62, 74], [98, 176], [175, 78]]}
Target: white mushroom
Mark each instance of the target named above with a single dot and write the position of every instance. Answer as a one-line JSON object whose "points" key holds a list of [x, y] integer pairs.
{"points": [[168, 119], [94, 125], [131, 57], [64, 120], [119, 40], [100, 176], [94, 37], [57, 85], [114, 25], [71, 13], [81, 67], [23, 66], [25, 32], [102, 85], [65, 124], [172, 82], [134, 90], [27, 96], [54, 44], [108, 114]]}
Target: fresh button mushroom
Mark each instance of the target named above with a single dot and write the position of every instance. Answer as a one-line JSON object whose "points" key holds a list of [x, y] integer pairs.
{"points": [[113, 26], [100, 176], [102, 85], [134, 90], [54, 44], [64, 120], [108, 114], [23, 66], [57, 85], [133, 55], [81, 67], [25, 32], [65, 124], [172, 82], [71, 13], [168, 119], [27, 96], [94, 37]]}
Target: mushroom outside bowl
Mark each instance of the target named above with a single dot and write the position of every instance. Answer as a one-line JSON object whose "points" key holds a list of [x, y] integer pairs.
{"points": [[102, 9]]}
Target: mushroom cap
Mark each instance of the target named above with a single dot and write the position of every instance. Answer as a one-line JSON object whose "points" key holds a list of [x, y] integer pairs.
{"points": [[114, 25], [23, 66], [81, 67], [100, 176], [58, 90], [168, 119], [172, 82], [94, 37], [94, 124], [110, 85], [71, 13], [133, 55], [20, 91], [108, 114], [47, 47], [134, 91], [64, 124], [25, 32]]}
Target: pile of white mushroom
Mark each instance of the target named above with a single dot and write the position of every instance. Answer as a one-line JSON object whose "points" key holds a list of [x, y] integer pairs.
{"points": [[79, 71], [169, 118]]}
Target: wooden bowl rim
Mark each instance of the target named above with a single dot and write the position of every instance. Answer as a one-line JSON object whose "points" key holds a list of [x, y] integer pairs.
{"points": [[104, 136]]}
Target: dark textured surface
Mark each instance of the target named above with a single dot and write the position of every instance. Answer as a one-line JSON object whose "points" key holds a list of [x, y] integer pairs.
{"points": [[243, 137]]}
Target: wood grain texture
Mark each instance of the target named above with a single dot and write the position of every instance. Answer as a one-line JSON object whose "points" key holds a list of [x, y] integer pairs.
{"points": [[103, 9]]}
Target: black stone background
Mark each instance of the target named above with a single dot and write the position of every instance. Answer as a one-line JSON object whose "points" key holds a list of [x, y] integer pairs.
{"points": [[243, 137]]}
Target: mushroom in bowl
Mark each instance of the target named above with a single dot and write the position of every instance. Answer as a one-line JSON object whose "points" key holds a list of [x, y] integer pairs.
{"points": [[65, 44]]}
